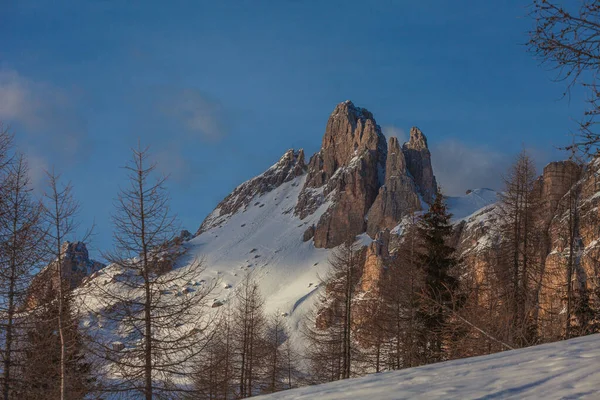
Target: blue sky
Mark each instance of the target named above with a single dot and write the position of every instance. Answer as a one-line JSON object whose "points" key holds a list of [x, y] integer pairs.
{"points": [[220, 90]]}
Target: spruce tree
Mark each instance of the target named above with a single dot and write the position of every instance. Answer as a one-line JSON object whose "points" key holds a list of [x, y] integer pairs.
{"points": [[437, 260]]}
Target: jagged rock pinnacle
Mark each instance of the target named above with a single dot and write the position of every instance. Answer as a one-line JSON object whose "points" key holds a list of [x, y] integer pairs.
{"points": [[417, 139], [397, 198], [418, 162], [350, 167]]}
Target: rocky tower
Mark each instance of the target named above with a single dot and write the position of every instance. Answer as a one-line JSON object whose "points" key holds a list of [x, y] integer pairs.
{"points": [[348, 172], [418, 161], [397, 197], [370, 185], [558, 177]]}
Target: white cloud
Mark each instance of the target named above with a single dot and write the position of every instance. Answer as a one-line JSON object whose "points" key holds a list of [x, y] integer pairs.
{"points": [[459, 167], [198, 114], [394, 131], [38, 166], [42, 112], [16, 98], [171, 161]]}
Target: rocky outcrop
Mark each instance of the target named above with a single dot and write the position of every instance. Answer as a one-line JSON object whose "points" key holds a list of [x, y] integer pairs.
{"points": [[397, 197], [418, 161], [347, 172], [376, 257], [75, 266], [290, 166], [575, 215]]}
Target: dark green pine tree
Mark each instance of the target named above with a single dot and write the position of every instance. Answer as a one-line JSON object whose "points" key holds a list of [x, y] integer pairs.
{"points": [[437, 260]]}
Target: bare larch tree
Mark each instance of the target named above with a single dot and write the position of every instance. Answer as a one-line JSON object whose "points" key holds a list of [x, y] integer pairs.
{"points": [[21, 236], [155, 302], [566, 37]]}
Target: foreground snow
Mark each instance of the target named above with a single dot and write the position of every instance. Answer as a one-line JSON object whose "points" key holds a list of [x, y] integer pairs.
{"points": [[562, 370]]}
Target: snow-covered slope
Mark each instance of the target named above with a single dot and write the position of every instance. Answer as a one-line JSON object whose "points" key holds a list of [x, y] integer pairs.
{"points": [[265, 239], [562, 370], [464, 206]]}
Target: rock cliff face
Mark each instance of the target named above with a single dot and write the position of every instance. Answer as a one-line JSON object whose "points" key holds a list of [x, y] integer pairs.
{"points": [[366, 181], [570, 206], [347, 172], [76, 265], [558, 177], [418, 159], [365, 184], [397, 197], [575, 215]]}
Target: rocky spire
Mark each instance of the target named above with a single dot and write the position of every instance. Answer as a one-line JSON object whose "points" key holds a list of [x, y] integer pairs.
{"points": [[398, 197], [418, 161], [350, 169], [349, 132]]}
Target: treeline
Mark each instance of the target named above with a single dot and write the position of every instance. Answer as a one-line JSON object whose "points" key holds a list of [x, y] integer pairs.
{"points": [[432, 305], [141, 327], [40, 343], [408, 320]]}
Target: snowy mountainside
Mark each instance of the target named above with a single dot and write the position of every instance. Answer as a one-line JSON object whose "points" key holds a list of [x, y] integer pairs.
{"points": [[263, 236], [265, 239], [560, 370], [476, 199]]}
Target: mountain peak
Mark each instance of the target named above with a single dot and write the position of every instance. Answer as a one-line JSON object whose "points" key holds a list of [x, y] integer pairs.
{"points": [[417, 139], [418, 162], [348, 108], [352, 156]]}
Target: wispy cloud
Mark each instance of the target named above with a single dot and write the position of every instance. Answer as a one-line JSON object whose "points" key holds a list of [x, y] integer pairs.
{"points": [[459, 167], [171, 161], [196, 112], [46, 114], [38, 166], [394, 131]]}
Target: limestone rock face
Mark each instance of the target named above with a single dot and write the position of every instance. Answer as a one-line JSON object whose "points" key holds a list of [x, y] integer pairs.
{"points": [[350, 131], [352, 193], [290, 166], [418, 161], [397, 197], [361, 185], [348, 172], [374, 267], [76, 265], [572, 192], [558, 177]]}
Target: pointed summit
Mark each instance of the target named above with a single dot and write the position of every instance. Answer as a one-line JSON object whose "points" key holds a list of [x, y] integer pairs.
{"points": [[349, 132], [418, 162], [347, 172], [417, 139]]}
